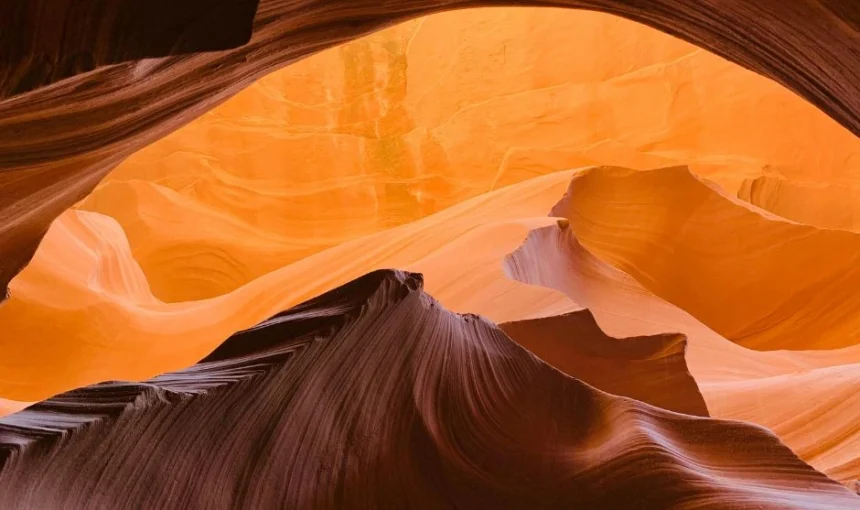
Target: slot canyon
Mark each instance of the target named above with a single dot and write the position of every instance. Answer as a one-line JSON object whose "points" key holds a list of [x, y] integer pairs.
{"points": [[442, 254]]}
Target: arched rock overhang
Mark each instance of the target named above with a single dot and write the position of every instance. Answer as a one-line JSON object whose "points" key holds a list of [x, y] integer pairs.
{"points": [[105, 95]]}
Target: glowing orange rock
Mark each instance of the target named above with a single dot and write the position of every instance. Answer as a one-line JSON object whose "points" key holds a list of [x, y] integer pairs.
{"points": [[85, 306], [757, 279], [819, 422], [408, 121], [823, 204]]}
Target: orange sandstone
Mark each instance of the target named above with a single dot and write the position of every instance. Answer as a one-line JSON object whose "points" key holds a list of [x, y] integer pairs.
{"points": [[84, 303], [408, 121], [431, 146], [822, 204], [755, 278], [820, 420]]}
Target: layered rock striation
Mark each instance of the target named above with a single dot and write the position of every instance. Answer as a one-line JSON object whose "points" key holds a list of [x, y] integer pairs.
{"points": [[374, 396], [57, 141]]}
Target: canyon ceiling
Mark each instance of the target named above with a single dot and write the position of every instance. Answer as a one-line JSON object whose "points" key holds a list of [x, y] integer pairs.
{"points": [[70, 112]]}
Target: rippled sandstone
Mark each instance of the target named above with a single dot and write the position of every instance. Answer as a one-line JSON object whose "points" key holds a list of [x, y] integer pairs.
{"points": [[295, 413], [651, 369], [822, 204], [757, 279], [85, 304], [59, 140], [382, 131], [278, 196], [820, 421]]}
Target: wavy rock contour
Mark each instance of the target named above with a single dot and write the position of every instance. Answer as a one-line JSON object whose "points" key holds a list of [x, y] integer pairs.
{"points": [[381, 131], [650, 369], [821, 423], [59, 140], [47, 41], [757, 279], [461, 416], [86, 306], [822, 204]]}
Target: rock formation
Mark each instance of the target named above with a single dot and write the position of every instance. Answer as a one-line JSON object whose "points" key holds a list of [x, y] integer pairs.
{"points": [[824, 204], [47, 41], [297, 413], [650, 369], [735, 267], [57, 141], [418, 117], [85, 305], [667, 242], [819, 422]]}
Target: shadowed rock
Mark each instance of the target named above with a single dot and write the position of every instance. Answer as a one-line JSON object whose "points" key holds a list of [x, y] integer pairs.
{"points": [[648, 368], [45, 41], [373, 396]]}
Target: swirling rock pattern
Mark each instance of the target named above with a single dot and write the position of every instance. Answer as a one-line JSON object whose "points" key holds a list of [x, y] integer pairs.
{"points": [[720, 259], [57, 141], [647, 368], [412, 119], [86, 307], [820, 423], [459, 417], [553, 257]]}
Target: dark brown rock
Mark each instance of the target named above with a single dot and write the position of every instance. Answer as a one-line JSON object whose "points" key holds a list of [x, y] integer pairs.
{"points": [[373, 396], [648, 368], [45, 41]]}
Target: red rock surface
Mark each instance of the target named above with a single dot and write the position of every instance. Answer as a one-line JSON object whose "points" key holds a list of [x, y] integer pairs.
{"points": [[45, 41], [370, 135], [86, 306], [297, 413], [827, 204], [436, 146], [651, 369], [819, 422]]}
